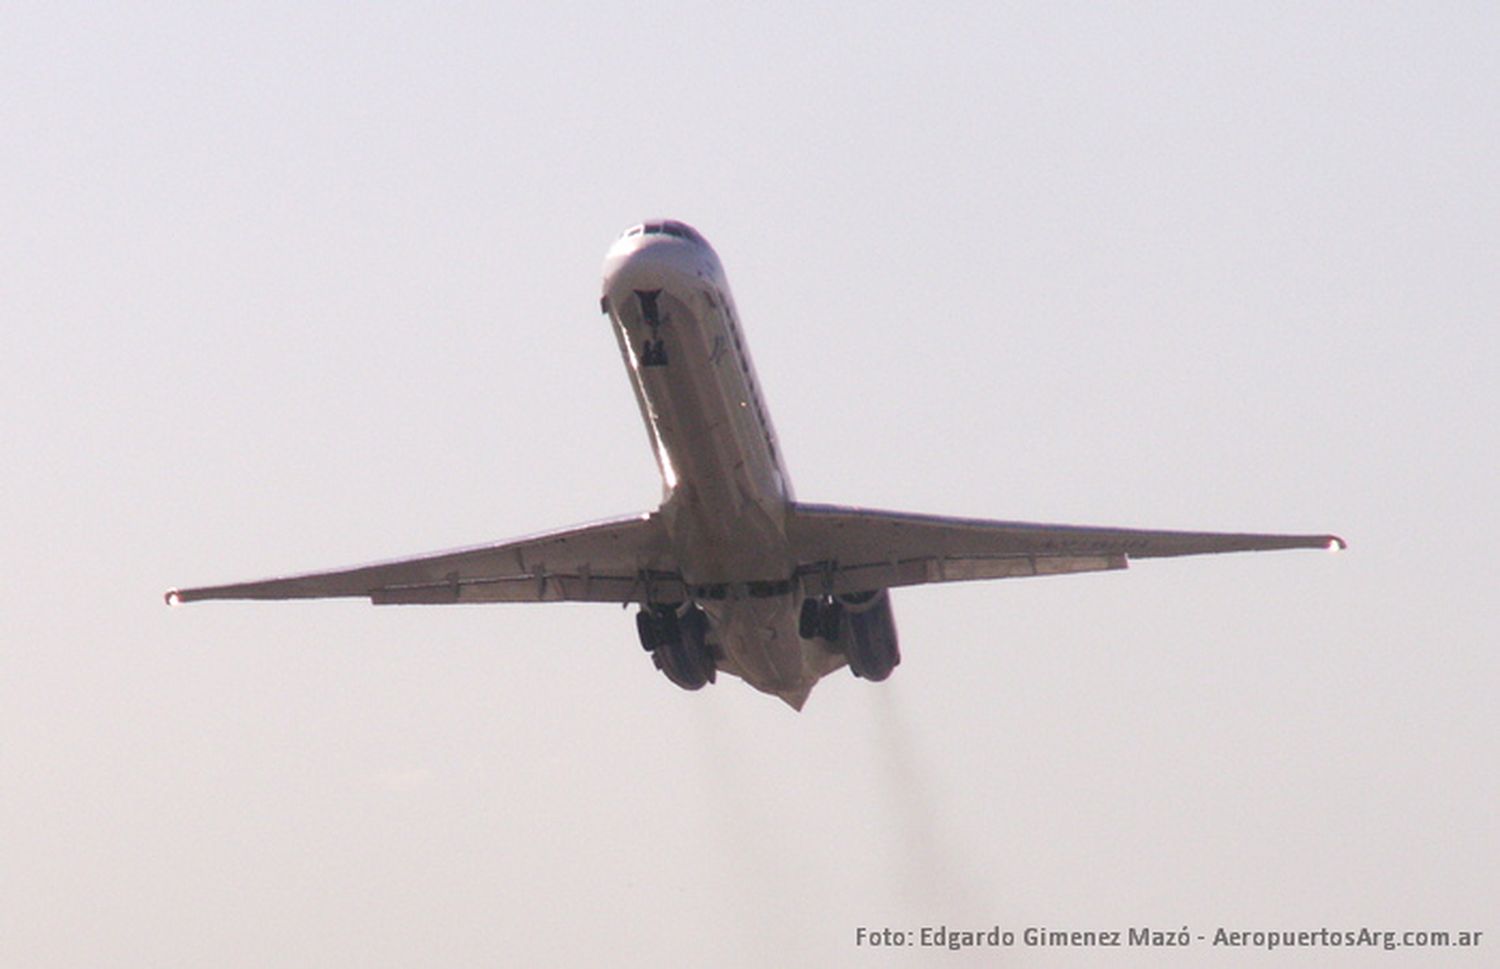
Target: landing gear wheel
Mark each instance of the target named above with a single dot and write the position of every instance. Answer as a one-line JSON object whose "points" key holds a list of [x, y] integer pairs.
{"points": [[656, 626], [683, 654], [645, 627], [807, 619], [821, 618]]}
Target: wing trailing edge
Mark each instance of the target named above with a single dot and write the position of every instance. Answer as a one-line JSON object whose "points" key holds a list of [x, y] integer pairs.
{"points": [[861, 548], [609, 561]]}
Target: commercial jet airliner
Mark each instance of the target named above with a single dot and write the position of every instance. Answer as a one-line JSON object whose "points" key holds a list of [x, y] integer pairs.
{"points": [[732, 574]]}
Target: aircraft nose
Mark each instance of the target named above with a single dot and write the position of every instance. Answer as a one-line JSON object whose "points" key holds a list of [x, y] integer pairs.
{"points": [[653, 254]]}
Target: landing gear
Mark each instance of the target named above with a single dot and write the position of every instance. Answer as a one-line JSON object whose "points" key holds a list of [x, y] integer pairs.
{"points": [[859, 625], [650, 627], [653, 354], [807, 619], [678, 644], [821, 619]]}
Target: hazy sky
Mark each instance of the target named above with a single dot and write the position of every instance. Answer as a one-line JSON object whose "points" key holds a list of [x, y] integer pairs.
{"points": [[288, 286]]}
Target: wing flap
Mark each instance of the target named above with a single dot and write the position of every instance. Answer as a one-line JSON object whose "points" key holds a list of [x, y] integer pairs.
{"points": [[860, 548], [859, 577], [533, 588]]}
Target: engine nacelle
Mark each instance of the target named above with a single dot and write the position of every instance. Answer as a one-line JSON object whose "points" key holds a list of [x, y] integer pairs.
{"points": [[870, 640]]}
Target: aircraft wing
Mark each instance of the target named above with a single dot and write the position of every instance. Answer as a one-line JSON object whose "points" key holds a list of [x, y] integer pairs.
{"points": [[859, 549], [610, 561]]}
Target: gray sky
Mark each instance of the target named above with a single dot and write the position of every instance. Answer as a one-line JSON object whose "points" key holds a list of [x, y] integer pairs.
{"points": [[289, 286]]}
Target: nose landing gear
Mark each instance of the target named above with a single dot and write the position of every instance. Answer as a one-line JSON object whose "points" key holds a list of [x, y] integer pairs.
{"points": [[653, 354]]}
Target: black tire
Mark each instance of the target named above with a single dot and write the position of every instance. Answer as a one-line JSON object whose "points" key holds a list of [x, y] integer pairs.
{"points": [[693, 626], [685, 656], [645, 627], [807, 620], [691, 672], [667, 629]]}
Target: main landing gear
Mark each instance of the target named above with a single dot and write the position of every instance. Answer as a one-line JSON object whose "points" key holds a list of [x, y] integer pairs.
{"points": [[821, 619], [653, 354], [859, 625], [678, 644]]}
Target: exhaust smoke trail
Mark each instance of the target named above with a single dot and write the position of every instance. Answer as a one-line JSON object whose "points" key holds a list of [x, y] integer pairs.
{"points": [[752, 853], [931, 876], [814, 826]]}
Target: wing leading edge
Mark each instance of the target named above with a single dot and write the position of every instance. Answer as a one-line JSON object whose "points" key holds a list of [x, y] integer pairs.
{"points": [[609, 561], [857, 549]]}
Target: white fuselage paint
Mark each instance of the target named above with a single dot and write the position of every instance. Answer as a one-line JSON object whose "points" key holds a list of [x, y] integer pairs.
{"points": [[725, 492]]}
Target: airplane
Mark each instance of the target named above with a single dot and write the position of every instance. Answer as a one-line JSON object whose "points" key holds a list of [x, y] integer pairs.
{"points": [[731, 573]]}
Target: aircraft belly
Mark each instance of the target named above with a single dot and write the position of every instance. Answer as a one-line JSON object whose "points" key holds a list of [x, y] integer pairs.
{"points": [[760, 644], [724, 509]]}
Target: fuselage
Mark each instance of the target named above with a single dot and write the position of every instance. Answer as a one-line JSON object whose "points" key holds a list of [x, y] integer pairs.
{"points": [[725, 491]]}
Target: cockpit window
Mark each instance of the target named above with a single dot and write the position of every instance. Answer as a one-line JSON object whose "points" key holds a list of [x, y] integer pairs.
{"points": [[679, 230], [682, 231]]}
